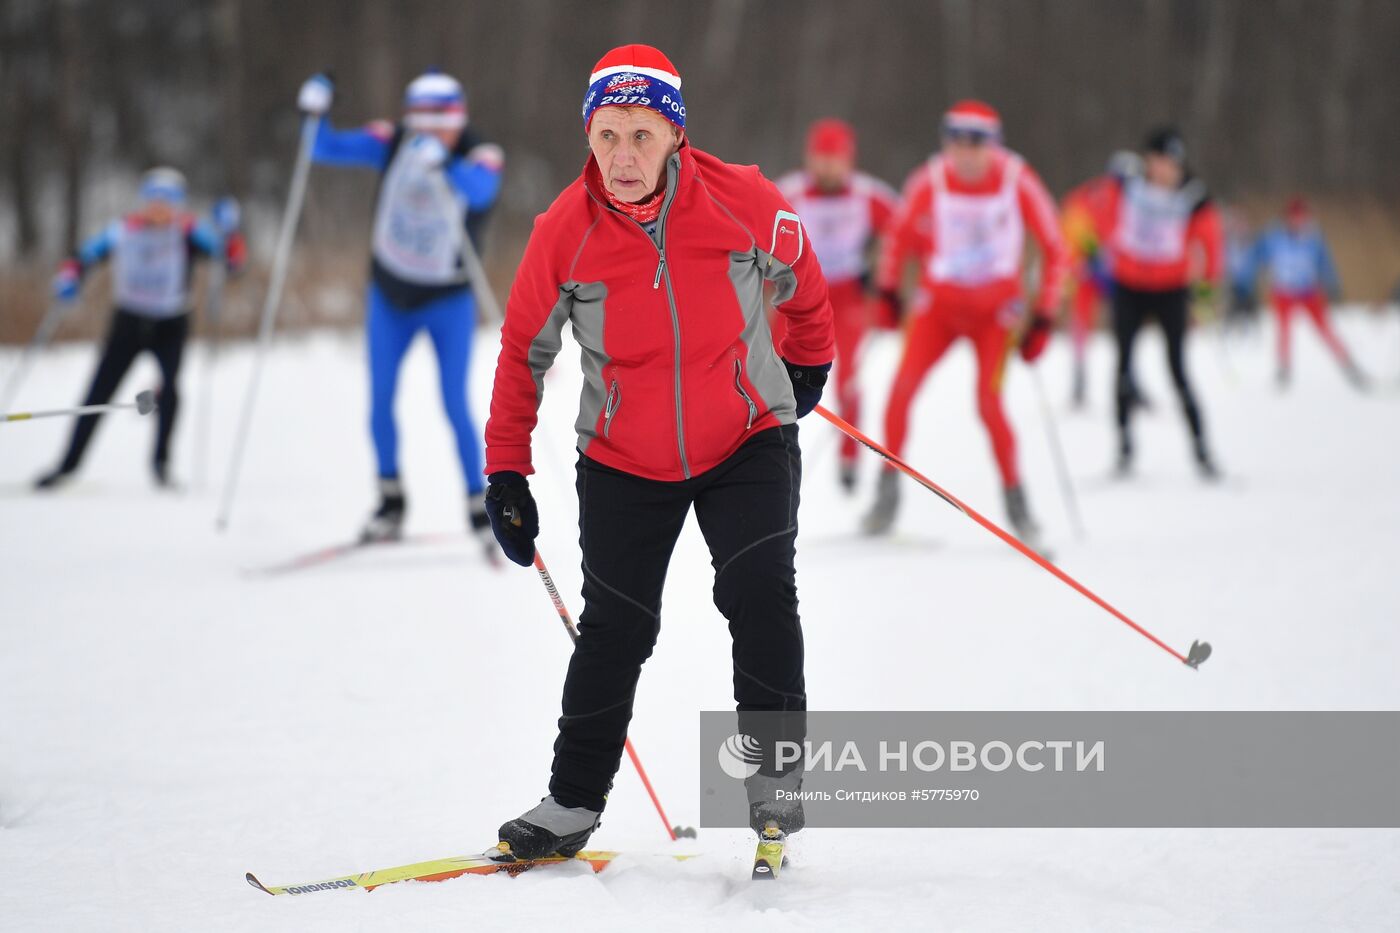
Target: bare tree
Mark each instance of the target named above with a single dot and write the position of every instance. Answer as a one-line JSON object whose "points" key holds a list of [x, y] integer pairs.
{"points": [[73, 118]]}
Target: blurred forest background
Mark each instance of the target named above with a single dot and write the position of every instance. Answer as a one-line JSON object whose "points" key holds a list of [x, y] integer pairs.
{"points": [[1275, 96]]}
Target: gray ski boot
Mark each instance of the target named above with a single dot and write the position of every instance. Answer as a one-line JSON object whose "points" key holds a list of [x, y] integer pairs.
{"points": [[846, 476], [1358, 379], [548, 829], [769, 802], [880, 519], [1019, 514]]}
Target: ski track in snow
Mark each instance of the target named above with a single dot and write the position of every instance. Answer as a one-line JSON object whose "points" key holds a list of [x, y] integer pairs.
{"points": [[170, 722]]}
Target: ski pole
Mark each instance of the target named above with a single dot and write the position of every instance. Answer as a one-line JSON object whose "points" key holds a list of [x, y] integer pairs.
{"points": [[48, 324], [227, 217], [673, 831], [480, 284], [281, 259], [1193, 658], [1061, 465], [213, 308], [144, 404]]}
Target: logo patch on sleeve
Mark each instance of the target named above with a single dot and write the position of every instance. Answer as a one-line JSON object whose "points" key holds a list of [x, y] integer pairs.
{"points": [[787, 238]]}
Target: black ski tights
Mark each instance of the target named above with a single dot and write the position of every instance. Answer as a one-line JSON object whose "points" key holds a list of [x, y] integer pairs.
{"points": [[1131, 308], [127, 337], [747, 510]]}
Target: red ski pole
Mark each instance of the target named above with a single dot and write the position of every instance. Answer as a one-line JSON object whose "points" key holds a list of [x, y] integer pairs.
{"points": [[1199, 650], [559, 607]]}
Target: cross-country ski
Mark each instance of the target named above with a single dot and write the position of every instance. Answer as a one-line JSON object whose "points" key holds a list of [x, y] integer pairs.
{"points": [[336, 552], [491, 862]]}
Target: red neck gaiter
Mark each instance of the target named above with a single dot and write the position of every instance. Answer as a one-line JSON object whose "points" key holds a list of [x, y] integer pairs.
{"points": [[645, 211]]}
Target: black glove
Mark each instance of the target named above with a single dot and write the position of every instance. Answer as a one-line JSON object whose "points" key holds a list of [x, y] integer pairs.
{"points": [[892, 300], [807, 384], [515, 520], [1035, 337]]}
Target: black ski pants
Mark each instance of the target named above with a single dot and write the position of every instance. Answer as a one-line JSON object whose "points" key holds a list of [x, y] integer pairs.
{"points": [[127, 337], [747, 510], [1131, 309]]}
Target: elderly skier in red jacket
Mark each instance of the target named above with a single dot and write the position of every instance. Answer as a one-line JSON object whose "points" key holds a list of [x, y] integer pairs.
{"points": [[657, 257], [964, 217]]}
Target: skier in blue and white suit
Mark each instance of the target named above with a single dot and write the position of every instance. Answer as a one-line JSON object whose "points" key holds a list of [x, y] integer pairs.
{"points": [[438, 182], [152, 251]]}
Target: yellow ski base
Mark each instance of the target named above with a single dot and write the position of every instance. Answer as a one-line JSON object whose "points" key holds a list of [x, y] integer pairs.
{"points": [[488, 863]]}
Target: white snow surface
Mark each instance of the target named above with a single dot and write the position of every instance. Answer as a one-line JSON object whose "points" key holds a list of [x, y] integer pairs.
{"points": [[168, 722]]}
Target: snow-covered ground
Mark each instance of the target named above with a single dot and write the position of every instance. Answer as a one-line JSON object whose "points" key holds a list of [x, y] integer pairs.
{"points": [[168, 722]]}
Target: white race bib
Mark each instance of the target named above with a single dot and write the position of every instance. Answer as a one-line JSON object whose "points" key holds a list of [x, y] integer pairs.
{"points": [[151, 269], [839, 229], [419, 224], [1152, 222], [978, 238], [1294, 266]]}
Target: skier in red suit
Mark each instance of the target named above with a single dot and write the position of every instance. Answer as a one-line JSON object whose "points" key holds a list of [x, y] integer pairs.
{"points": [[963, 218], [845, 212]]}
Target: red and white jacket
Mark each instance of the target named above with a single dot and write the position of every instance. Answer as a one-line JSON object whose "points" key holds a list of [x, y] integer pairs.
{"points": [[971, 236], [679, 365], [1159, 239], [842, 224]]}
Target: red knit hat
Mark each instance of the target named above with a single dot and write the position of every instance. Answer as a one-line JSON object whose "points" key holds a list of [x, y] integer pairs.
{"points": [[972, 117], [831, 136], [635, 76]]}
